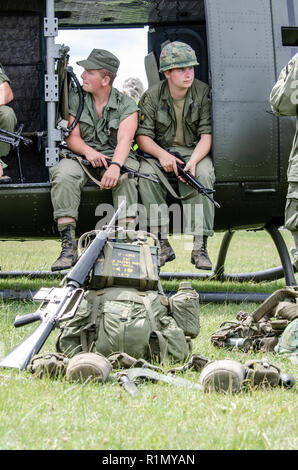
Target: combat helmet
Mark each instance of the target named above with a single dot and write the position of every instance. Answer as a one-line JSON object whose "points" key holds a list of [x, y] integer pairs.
{"points": [[177, 55]]}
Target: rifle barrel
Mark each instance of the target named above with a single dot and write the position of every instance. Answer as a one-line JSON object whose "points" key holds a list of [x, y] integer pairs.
{"points": [[80, 271]]}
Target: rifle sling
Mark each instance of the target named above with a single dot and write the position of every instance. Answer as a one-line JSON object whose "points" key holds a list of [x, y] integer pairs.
{"points": [[96, 181]]}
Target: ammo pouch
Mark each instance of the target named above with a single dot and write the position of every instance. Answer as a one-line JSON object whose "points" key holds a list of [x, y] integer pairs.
{"points": [[124, 320], [51, 365], [257, 335], [185, 309], [133, 264], [247, 329], [262, 373]]}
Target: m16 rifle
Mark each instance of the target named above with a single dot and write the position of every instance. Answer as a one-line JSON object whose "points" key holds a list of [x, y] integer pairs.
{"points": [[58, 304], [188, 177]]}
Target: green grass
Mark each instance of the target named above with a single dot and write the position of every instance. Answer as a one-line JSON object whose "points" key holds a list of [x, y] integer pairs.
{"points": [[54, 414]]}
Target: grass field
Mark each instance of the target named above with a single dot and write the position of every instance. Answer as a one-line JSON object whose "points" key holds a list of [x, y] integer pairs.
{"points": [[54, 414]]}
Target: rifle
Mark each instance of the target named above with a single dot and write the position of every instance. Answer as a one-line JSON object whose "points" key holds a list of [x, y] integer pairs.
{"points": [[188, 178], [58, 304], [14, 138], [123, 169]]}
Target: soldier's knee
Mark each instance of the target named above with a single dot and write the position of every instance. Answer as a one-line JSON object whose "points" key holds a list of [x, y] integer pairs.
{"points": [[291, 214], [205, 174], [8, 118]]}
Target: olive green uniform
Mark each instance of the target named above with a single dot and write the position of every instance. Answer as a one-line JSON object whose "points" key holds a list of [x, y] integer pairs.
{"points": [[284, 102], [158, 121], [8, 119], [68, 178]]}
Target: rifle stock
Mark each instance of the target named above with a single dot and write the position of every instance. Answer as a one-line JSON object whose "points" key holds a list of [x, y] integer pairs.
{"points": [[58, 304]]}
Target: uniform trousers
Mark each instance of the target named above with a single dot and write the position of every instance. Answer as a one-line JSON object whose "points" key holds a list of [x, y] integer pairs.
{"points": [[68, 179], [198, 211], [8, 122]]}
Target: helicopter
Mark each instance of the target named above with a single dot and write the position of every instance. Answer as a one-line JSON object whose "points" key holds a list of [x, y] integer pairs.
{"points": [[241, 46]]}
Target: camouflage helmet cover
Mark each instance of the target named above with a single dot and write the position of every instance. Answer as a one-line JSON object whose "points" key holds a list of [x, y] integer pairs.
{"points": [[177, 55]]}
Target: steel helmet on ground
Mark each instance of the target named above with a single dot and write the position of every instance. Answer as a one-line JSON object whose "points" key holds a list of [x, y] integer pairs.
{"points": [[177, 55]]}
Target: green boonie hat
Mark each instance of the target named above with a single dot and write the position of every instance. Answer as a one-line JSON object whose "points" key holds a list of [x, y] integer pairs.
{"points": [[177, 55], [100, 59]]}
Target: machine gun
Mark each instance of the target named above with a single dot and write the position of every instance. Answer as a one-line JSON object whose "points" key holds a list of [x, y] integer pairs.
{"points": [[14, 139], [188, 177], [58, 304]]}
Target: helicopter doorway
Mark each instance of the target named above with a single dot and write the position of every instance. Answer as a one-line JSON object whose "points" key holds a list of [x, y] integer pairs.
{"points": [[242, 70]]}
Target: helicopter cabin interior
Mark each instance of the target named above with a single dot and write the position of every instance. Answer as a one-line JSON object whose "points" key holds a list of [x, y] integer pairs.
{"points": [[241, 47]]}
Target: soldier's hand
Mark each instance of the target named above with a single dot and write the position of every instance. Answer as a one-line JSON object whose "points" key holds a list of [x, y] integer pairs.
{"points": [[191, 167], [96, 158], [110, 177], [169, 163]]}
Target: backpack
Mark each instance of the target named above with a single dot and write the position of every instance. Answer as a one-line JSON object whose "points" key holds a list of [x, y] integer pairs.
{"points": [[127, 320], [125, 310]]}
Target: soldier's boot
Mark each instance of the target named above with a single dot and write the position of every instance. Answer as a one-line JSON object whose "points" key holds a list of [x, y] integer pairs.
{"points": [[199, 254], [68, 255], [166, 252]]}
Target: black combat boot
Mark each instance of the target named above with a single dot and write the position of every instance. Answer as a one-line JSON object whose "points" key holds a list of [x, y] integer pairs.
{"points": [[199, 255], [68, 255], [166, 252]]}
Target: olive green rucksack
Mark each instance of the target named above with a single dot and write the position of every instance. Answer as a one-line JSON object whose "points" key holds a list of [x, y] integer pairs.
{"points": [[127, 320], [125, 309]]}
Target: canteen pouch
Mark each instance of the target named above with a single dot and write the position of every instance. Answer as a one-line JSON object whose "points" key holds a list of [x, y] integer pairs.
{"points": [[224, 376], [88, 366], [185, 309]]}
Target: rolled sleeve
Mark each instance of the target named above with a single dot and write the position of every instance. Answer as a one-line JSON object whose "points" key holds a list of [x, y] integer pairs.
{"points": [[73, 103], [146, 117], [205, 124], [3, 76], [284, 94], [127, 108]]}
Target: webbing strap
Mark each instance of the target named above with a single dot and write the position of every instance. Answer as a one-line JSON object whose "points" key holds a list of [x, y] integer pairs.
{"points": [[147, 278], [88, 335], [107, 272], [161, 341]]}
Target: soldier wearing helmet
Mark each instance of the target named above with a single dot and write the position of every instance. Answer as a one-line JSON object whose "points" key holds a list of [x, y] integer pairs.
{"points": [[175, 117], [133, 87]]}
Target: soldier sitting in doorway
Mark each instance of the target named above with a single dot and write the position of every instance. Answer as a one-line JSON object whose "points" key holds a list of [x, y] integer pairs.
{"points": [[106, 129], [175, 117], [8, 119]]}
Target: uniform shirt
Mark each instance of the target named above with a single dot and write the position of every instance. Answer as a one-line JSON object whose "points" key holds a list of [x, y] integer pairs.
{"points": [[3, 76], [101, 133], [179, 136], [284, 102], [158, 119]]}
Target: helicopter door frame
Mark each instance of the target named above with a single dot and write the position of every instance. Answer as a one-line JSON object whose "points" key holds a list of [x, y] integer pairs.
{"points": [[241, 70], [51, 84]]}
